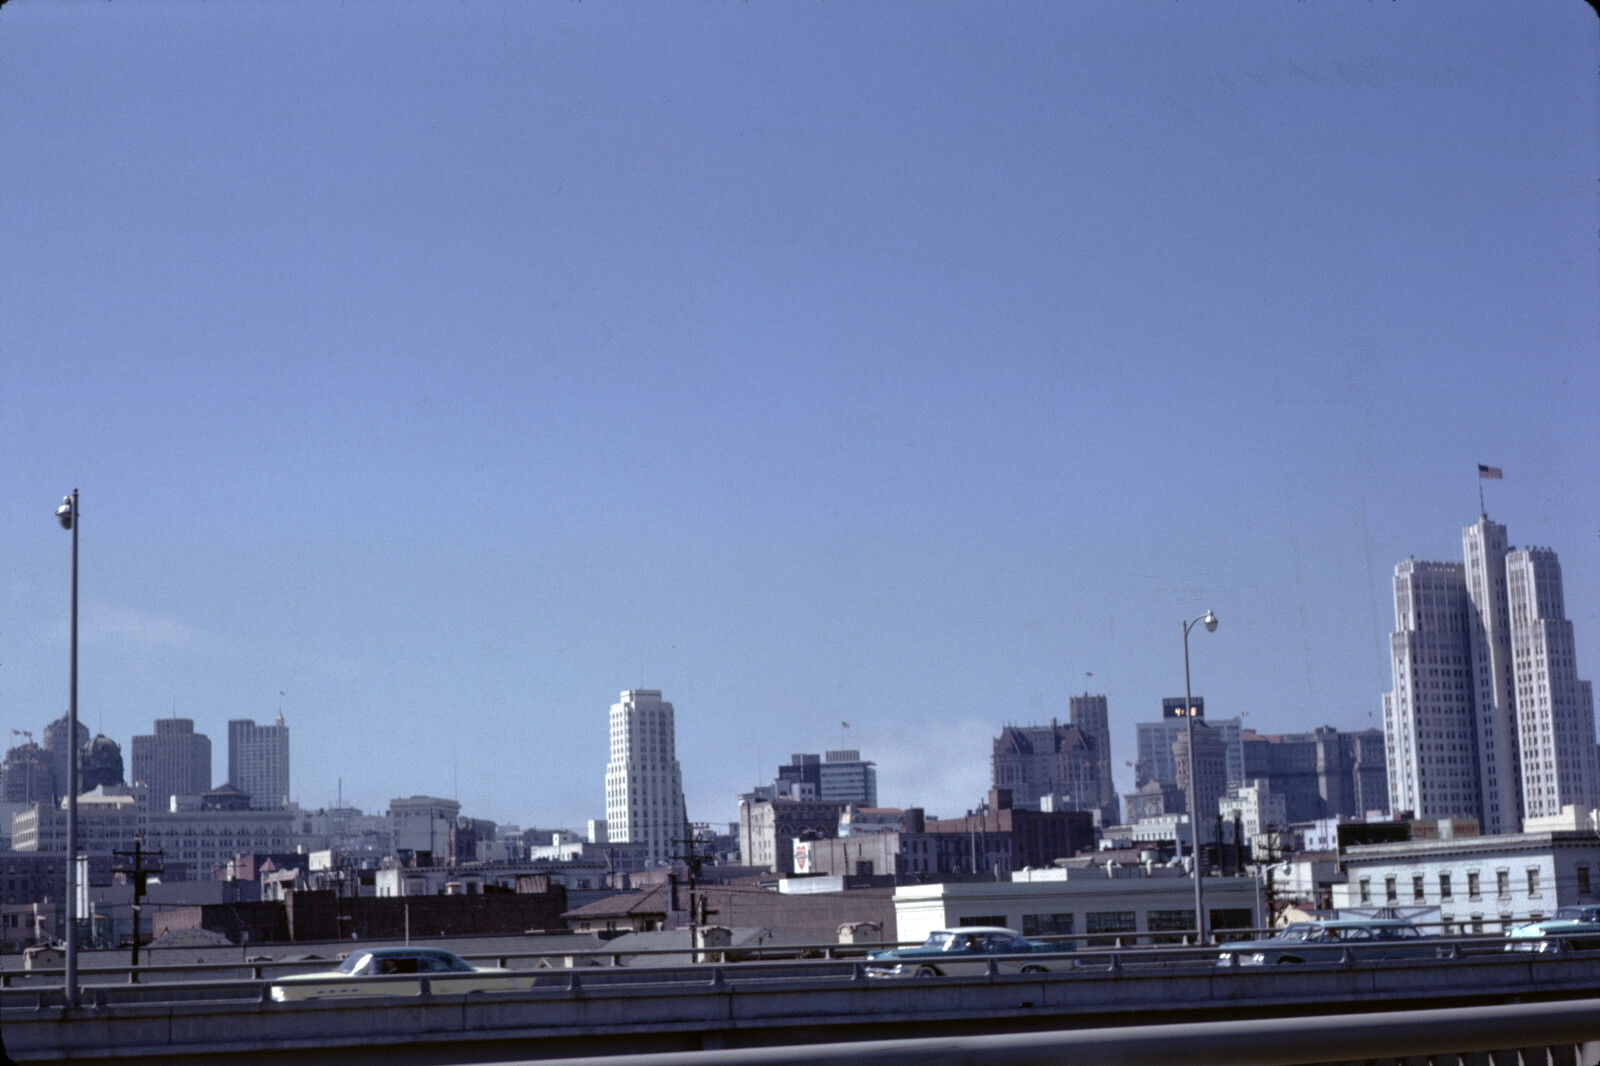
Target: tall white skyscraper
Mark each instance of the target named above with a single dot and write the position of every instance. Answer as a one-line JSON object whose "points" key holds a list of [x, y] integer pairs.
{"points": [[1555, 710], [1430, 726], [258, 761], [1488, 627], [1487, 718], [644, 786]]}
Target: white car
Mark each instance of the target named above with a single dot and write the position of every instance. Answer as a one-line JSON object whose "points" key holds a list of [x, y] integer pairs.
{"points": [[381, 972]]}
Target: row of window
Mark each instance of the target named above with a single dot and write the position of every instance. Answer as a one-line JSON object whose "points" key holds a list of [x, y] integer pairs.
{"points": [[1502, 879]]}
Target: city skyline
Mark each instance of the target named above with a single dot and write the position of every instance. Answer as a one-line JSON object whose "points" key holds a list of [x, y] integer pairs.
{"points": [[807, 363]]}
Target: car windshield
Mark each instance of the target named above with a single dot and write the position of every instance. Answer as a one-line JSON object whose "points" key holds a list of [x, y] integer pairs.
{"points": [[1299, 933], [355, 962], [1397, 932], [949, 941]]}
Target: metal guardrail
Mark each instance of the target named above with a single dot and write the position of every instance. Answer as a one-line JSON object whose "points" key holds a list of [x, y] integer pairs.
{"points": [[1560, 1033], [41, 992], [1128, 947]]}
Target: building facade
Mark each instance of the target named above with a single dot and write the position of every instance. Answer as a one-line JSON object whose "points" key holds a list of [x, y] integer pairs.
{"points": [[1555, 710], [1321, 774], [60, 747], [1090, 714], [194, 843], [845, 777], [420, 827], [258, 761], [768, 828], [1057, 760], [1207, 761], [105, 823], [1129, 905], [172, 761], [28, 776], [644, 785], [1476, 883], [1486, 703], [1155, 759]]}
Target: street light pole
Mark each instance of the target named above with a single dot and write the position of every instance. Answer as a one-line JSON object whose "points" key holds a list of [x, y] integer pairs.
{"points": [[1197, 852], [67, 515]]}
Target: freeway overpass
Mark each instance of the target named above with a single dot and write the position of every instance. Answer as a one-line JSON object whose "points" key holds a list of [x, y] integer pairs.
{"points": [[770, 1006]]}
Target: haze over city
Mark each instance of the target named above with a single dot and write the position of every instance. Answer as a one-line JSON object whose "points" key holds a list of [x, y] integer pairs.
{"points": [[434, 376]]}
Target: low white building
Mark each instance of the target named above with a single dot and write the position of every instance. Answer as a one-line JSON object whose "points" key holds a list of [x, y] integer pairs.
{"points": [[1258, 809], [105, 823], [1078, 902], [1478, 883]]}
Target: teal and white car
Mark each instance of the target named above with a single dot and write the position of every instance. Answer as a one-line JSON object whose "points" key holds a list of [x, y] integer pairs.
{"points": [[397, 972], [1569, 929], [1333, 941], [964, 951]]}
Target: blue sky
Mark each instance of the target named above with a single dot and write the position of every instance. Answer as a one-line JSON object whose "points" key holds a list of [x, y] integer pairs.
{"points": [[450, 369]]}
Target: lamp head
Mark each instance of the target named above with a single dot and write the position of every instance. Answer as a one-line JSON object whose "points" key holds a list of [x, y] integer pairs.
{"points": [[64, 513], [1211, 622]]}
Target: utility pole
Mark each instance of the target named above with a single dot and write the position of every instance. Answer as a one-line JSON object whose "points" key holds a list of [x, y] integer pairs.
{"points": [[140, 874], [699, 908]]}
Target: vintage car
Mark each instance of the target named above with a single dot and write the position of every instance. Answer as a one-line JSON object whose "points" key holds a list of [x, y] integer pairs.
{"points": [[1570, 929], [967, 950], [384, 972], [1332, 941]]}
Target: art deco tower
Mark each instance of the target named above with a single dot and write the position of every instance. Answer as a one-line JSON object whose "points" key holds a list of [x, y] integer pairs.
{"points": [[644, 787], [1487, 718]]}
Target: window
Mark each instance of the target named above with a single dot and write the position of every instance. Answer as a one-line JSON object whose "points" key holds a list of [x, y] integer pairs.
{"points": [[1502, 884], [1107, 922], [1047, 925], [1417, 892], [1533, 881], [1444, 886], [1583, 880], [1472, 887], [1173, 923], [1366, 890], [1390, 892], [984, 919]]}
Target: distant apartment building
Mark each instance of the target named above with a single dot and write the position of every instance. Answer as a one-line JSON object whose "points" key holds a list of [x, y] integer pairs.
{"points": [[1207, 762], [421, 827], [644, 784], [1057, 761], [173, 761], [1155, 759], [1321, 774], [1476, 883], [1154, 800], [1257, 809], [105, 823], [840, 776], [28, 877], [194, 843], [768, 828], [845, 777], [258, 761], [1487, 718], [61, 747], [1036, 838], [996, 840], [28, 776], [1089, 713]]}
